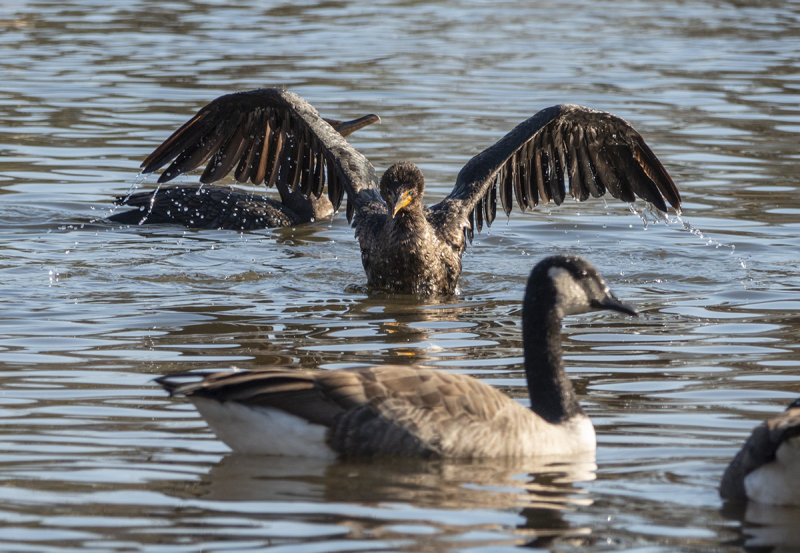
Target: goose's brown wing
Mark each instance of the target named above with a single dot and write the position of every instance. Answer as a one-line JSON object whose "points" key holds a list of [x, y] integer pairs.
{"points": [[398, 410], [267, 136], [293, 391], [388, 410], [596, 151]]}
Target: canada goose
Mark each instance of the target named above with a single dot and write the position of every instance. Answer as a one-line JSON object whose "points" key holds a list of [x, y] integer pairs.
{"points": [[397, 410], [767, 468], [223, 207], [406, 247]]}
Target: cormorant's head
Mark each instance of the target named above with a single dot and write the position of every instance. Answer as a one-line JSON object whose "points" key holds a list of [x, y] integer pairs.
{"points": [[402, 185]]}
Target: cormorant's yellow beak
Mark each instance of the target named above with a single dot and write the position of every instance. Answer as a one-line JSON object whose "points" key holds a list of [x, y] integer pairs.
{"points": [[404, 199]]}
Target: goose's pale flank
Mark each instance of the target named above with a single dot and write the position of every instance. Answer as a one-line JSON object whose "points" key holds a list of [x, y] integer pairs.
{"points": [[767, 468], [224, 207], [405, 246], [397, 410]]}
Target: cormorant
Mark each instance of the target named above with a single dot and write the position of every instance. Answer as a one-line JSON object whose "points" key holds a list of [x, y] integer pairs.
{"points": [[405, 246], [224, 207], [408, 411]]}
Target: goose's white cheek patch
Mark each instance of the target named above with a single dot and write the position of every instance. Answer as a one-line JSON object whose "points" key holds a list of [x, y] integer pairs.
{"points": [[571, 295]]}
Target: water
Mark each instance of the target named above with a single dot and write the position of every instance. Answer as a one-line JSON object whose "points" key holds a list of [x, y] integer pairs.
{"points": [[95, 457]]}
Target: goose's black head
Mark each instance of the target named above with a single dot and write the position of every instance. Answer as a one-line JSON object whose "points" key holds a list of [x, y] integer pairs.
{"points": [[570, 284], [401, 187]]}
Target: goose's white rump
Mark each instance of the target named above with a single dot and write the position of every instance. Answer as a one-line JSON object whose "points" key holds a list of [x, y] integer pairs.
{"points": [[264, 431]]}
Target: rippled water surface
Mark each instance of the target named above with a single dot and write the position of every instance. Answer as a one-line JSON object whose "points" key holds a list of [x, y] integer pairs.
{"points": [[95, 457]]}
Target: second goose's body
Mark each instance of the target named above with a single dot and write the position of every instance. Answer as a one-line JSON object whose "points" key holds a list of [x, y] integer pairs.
{"points": [[767, 468], [416, 412]]}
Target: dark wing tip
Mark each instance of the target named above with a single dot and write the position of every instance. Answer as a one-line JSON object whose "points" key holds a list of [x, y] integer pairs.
{"points": [[605, 152], [656, 172], [180, 383]]}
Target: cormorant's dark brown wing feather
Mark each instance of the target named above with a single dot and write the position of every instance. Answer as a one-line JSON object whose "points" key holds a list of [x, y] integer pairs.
{"points": [[595, 150], [272, 136]]}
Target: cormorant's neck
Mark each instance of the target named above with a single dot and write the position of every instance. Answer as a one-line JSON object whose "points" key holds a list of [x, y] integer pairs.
{"points": [[551, 392], [411, 216]]}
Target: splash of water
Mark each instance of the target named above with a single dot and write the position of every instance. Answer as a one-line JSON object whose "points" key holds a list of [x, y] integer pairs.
{"points": [[54, 277], [649, 214], [135, 185]]}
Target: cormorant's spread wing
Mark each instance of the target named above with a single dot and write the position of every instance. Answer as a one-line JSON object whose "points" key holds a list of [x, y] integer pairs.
{"points": [[268, 135], [597, 151]]}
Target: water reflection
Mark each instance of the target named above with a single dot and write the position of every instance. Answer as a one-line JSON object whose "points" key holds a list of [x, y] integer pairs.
{"points": [[458, 498], [765, 527], [331, 333]]}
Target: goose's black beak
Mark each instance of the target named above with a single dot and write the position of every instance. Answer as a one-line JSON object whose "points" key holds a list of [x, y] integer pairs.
{"points": [[612, 303]]}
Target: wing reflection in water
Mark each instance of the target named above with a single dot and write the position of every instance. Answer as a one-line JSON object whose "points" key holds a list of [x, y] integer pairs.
{"points": [[527, 498]]}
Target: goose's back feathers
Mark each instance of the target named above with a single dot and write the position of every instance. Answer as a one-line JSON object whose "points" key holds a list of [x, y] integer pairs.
{"points": [[421, 412]]}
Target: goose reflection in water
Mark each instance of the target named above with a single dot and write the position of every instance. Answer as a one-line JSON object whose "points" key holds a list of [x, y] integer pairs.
{"points": [[499, 502]]}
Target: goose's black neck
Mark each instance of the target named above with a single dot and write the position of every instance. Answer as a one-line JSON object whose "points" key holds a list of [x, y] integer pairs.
{"points": [[551, 392]]}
